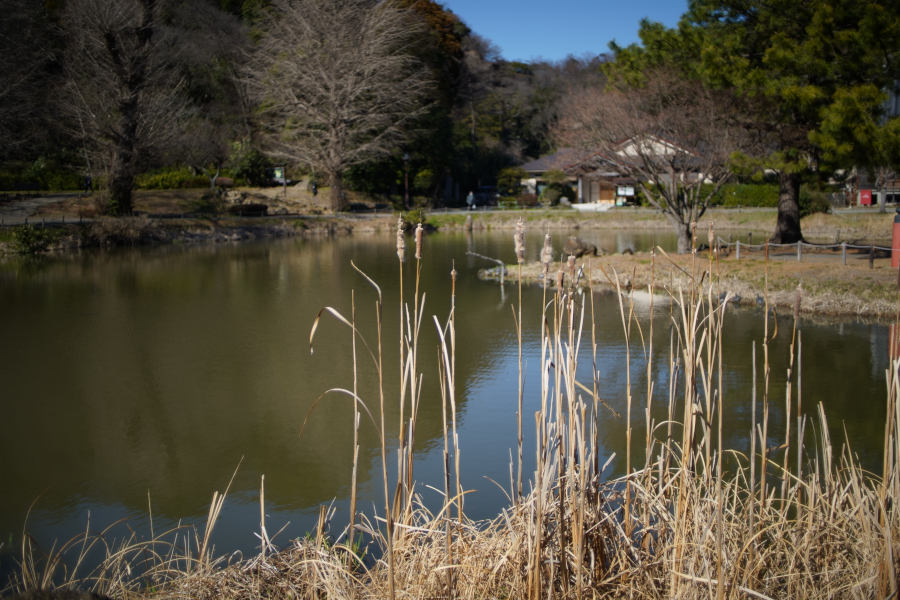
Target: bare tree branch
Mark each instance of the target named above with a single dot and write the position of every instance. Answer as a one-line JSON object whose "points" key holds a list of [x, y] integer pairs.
{"points": [[673, 135], [337, 82], [122, 88]]}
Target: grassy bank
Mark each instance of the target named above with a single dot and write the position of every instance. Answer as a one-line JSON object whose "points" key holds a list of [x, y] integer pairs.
{"points": [[829, 288], [795, 516], [855, 227]]}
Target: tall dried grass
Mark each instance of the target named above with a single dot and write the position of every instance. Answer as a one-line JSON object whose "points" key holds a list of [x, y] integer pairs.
{"points": [[693, 520]]}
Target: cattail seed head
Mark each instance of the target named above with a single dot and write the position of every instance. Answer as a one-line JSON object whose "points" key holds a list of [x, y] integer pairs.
{"points": [[519, 238], [712, 235], [572, 268], [546, 254], [401, 243], [560, 277], [419, 232], [797, 301]]}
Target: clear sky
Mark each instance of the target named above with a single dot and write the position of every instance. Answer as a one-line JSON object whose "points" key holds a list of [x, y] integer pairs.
{"points": [[553, 29]]}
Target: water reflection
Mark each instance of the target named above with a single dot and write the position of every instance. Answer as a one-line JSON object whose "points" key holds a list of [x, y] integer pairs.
{"points": [[159, 369]]}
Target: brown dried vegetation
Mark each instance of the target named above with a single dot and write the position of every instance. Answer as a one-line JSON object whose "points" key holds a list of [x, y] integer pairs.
{"points": [[691, 519]]}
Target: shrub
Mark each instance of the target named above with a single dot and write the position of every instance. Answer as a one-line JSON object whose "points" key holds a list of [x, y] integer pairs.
{"points": [[746, 194], [250, 167], [556, 176], [812, 202], [46, 171], [170, 178], [528, 199], [509, 181], [424, 180], [28, 239], [414, 217], [550, 196]]}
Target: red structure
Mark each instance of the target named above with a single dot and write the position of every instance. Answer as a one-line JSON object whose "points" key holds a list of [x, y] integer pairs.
{"points": [[895, 243]]}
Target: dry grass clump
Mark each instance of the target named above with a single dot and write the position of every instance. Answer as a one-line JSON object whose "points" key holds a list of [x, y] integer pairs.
{"points": [[119, 231], [874, 226], [690, 519], [830, 288]]}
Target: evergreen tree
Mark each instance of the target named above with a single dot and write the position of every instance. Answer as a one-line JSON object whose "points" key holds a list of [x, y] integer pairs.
{"points": [[814, 75]]}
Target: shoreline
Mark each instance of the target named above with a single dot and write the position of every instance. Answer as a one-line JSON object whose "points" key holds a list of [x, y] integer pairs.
{"points": [[828, 288], [148, 229]]}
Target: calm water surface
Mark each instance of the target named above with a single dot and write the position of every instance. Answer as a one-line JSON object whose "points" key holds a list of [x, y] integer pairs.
{"points": [[142, 378]]}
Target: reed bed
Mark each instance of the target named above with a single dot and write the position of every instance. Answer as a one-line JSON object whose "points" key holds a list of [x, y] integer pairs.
{"points": [[690, 519]]}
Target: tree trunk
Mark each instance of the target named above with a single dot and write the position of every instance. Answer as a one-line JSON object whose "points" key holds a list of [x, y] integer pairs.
{"points": [[121, 179], [683, 232], [214, 177], [337, 192], [121, 182], [787, 229]]}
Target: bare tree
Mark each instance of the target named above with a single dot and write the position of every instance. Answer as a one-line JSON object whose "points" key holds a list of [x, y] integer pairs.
{"points": [[338, 82], [672, 135], [24, 57], [123, 92]]}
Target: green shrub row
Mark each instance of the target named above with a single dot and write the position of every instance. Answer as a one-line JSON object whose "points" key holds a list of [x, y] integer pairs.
{"points": [[170, 179], [746, 194], [50, 176]]}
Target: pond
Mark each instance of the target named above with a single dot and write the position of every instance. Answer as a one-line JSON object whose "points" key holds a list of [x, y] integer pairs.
{"points": [[134, 382]]}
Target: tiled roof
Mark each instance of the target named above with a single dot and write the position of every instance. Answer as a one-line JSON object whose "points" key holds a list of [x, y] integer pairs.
{"points": [[563, 158]]}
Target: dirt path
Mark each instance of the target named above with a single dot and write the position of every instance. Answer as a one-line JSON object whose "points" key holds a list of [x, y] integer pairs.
{"points": [[14, 212]]}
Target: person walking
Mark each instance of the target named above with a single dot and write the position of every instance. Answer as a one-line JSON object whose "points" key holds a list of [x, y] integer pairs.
{"points": [[470, 200], [88, 184]]}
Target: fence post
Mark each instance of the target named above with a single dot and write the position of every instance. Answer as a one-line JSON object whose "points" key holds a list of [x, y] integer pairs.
{"points": [[737, 254], [844, 253], [871, 257], [799, 251]]}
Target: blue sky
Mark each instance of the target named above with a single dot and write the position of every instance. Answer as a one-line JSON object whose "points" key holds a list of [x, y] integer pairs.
{"points": [[529, 29]]}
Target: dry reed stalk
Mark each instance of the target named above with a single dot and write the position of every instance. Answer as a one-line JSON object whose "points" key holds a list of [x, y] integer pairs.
{"points": [[788, 395], [648, 446], [627, 331], [535, 558], [519, 239], [351, 531], [401, 255], [415, 390]]}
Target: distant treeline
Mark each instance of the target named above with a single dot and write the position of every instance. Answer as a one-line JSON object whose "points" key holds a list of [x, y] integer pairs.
{"points": [[77, 71]]}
